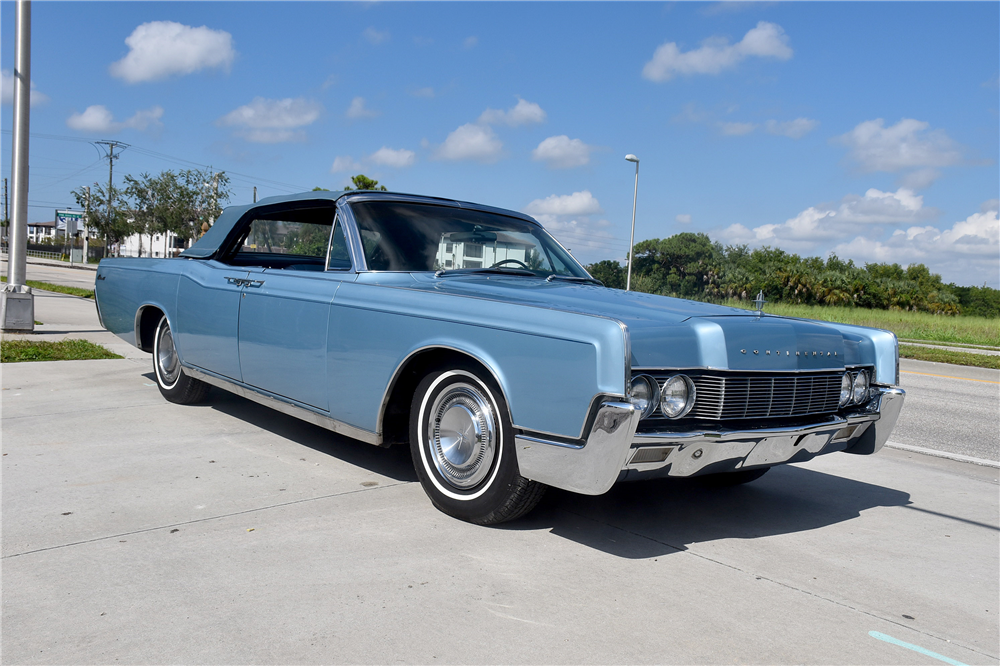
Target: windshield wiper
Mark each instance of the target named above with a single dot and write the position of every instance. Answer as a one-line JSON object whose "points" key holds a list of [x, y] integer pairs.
{"points": [[573, 278]]}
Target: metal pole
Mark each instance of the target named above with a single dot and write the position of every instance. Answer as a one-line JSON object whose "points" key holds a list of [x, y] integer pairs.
{"points": [[86, 228], [17, 259], [631, 240], [17, 303], [255, 194]]}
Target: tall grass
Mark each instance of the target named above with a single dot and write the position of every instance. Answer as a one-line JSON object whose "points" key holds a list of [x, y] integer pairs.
{"points": [[906, 325]]}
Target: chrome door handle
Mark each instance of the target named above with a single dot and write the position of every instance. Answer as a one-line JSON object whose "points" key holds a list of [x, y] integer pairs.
{"points": [[253, 283], [239, 282]]}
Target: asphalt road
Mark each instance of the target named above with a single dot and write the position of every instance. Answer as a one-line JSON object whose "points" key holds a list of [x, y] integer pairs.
{"points": [[950, 408], [64, 275]]}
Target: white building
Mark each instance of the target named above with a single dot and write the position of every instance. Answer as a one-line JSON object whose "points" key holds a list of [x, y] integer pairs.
{"points": [[476, 255]]}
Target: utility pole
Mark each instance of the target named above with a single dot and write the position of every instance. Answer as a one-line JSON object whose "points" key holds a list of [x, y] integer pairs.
{"points": [[254, 192], [86, 227], [215, 196], [6, 213], [110, 146], [17, 307]]}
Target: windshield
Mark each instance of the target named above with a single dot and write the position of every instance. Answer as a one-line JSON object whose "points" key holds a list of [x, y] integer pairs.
{"points": [[405, 236]]}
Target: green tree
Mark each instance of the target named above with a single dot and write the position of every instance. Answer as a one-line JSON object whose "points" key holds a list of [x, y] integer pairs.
{"points": [[363, 182]]}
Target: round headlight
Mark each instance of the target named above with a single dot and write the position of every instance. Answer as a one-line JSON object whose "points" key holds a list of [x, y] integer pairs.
{"points": [[861, 387], [677, 397], [643, 392], [846, 389]]}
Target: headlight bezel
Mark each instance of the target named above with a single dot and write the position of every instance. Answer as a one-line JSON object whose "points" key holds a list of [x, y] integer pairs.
{"points": [[653, 402], [860, 387], [846, 393], [691, 396]]}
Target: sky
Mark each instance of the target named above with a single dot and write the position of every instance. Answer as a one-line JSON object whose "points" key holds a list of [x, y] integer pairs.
{"points": [[866, 130]]}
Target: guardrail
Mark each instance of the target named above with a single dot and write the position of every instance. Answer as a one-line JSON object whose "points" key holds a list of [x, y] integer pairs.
{"points": [[37, 253]]}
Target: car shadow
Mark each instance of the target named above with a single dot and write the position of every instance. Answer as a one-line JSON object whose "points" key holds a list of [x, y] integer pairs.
{"points": [[394, 462], [654, 518], [634, 520]]}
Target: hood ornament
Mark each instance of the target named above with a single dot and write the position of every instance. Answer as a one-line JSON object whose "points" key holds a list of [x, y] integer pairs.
{"points": [[759, 303]]}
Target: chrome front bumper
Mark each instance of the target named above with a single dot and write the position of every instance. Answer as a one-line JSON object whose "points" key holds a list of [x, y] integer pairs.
{"points": [[614, 449]]}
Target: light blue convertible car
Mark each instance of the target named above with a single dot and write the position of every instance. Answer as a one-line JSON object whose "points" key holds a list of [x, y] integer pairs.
{"points": [[470, 334]]}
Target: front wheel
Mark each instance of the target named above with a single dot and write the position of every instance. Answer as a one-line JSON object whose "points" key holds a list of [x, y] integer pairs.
{"points": [[174, 385], [462, 445]]}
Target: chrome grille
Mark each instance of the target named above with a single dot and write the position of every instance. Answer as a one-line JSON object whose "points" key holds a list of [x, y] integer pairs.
{"points": [[720, 397]]}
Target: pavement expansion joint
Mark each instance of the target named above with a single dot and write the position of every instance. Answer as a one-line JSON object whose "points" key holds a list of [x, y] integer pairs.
{"points": [[209, 518], [788, 586]]}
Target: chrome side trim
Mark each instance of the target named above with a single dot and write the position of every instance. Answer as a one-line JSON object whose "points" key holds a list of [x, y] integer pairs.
{"points": [[590, 469], [284, 406]]}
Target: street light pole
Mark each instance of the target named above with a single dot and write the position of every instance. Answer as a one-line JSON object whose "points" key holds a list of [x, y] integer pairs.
{"points": [[631, 241], [17, 305]]}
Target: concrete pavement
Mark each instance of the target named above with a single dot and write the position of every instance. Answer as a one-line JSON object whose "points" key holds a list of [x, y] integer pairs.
{"points": [[140, 531]]}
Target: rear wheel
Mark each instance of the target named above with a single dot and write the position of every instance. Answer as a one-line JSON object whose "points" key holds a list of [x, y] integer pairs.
{"points": [[170, 378], [462, 445]]}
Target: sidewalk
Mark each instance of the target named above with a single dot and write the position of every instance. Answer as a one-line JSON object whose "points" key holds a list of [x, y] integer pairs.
{"points": [[66, 317]]}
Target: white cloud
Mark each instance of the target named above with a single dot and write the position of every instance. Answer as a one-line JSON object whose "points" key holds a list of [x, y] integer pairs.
{"points": [[522, 113], [562, 152], [905, 145], [826, 222], [97, 119], [471, 142], [793, 129], [7, 90], [159, 49], [736, 129], [344, 163], [424, 92], [766, 40], [273, 120], [578, 203], [470, 42], [920, 179], [683, 218], [357, 109], [393, 158], [968, 253], [571, 219], [374, 36]]}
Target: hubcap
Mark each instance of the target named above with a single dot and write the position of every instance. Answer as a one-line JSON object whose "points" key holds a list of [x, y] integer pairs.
{"points": [[462, 432], [166, 356]]}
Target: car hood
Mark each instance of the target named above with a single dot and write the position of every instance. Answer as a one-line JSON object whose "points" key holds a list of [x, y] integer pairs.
{"points": [[669, 332]]}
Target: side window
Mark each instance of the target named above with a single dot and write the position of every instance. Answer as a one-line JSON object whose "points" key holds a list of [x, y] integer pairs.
{"points": [[340, 258], [286, 237]]}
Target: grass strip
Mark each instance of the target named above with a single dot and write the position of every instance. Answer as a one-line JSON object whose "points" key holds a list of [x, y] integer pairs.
{"points": [[58, 288], [17, 351], [946, 356], [952, 344], [917, 326]]}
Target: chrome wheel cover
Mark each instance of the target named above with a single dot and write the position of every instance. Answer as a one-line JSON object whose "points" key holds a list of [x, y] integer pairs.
{"points": [[462, 435], [166, 357]]}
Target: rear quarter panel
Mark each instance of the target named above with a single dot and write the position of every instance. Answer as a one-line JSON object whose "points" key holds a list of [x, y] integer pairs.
{"points": [[125, 285]]}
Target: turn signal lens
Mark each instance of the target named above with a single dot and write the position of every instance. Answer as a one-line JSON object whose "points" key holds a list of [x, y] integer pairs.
{"points": [[846, 389], [677, 396], [861, 387], [643, 394]]}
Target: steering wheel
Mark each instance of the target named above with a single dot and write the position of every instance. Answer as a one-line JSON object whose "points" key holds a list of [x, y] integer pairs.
{"points": [[511, 261]]}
